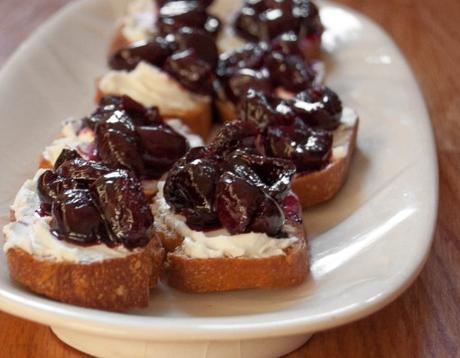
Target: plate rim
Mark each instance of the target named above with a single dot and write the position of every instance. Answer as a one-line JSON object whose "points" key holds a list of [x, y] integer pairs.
{"points": [[54, 313]]}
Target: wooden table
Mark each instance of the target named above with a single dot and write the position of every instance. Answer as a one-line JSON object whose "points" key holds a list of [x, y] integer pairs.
{"points": [[424, 321]]}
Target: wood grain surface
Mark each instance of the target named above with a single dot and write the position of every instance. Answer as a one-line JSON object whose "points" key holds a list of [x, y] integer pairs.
{"points": [[424, 321]]}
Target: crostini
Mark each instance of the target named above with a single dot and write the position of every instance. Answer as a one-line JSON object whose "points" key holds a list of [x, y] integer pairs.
{"points": [[229, 221], [82, 233]]}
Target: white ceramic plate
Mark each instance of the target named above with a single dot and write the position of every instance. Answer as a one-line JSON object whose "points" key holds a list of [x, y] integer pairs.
{"points": [[367, 245]]}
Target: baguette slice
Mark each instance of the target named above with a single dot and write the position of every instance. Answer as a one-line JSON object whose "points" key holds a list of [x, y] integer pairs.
{"points": [[319, 186], [116, 284], [115, 279], [234, 273]]}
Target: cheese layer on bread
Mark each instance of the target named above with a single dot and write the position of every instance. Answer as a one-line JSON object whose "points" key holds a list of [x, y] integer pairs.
{"points": [[31, 233], [218, 243], [151, 86], [83, 141], [342, 135]]}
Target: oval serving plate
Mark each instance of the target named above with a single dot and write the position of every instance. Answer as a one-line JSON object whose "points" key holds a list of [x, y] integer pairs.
{"points": [[367, 245]]}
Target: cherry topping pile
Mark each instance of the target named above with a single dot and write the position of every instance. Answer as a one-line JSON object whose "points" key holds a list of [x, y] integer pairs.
{"points": [[263, 67], [239, 189], [184, 46], [267, 19], [176, 14], [91, 203], [130, 136], [298, 129]]}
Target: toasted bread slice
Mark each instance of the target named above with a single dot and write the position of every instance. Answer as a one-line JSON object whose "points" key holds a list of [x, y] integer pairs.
{"points": [[319, 186], [234, 273], [96, 276], [173, 101], [116, 284]]}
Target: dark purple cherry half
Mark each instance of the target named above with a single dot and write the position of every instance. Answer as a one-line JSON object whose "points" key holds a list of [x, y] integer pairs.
{"points": [[203, 44], [269, 218], [82, 170], [289, 71], [237, 201], [75, 218], [319, 106], [308, 148], [190, 71], [274, 175], [66, 155], [153, 51], [162, 147], [244, 79], [51, 185], [233, 135], [121, 200], [190, 188], [117, 143], [248, 56]]}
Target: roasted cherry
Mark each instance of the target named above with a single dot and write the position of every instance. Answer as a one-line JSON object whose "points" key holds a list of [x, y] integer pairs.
{"points": [[287, 43], [244, 79], [190, 187], [308, 14], [153, 51], [289, 71], [269, 218], [65, 155], [275, 21], [203, 44], [274, 175], [237, 201], [162, 147], [117, 142], [75, 218], [121, 200], [233, 135], [192, 72], [82, 170], [50, 186], [308, 148], [248, 56], [319, 106], [177, 14], [247, 23], [263, 109]]}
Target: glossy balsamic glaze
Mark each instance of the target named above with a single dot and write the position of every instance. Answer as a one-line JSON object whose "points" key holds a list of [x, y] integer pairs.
{"points": [[240, 189], [130, 136], [91, 203], [266, 19]]}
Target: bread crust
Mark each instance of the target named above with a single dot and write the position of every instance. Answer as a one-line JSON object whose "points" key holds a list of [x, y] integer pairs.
{"points": [[227, 273], [319, 186], [118, 41], [115, 284]]}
